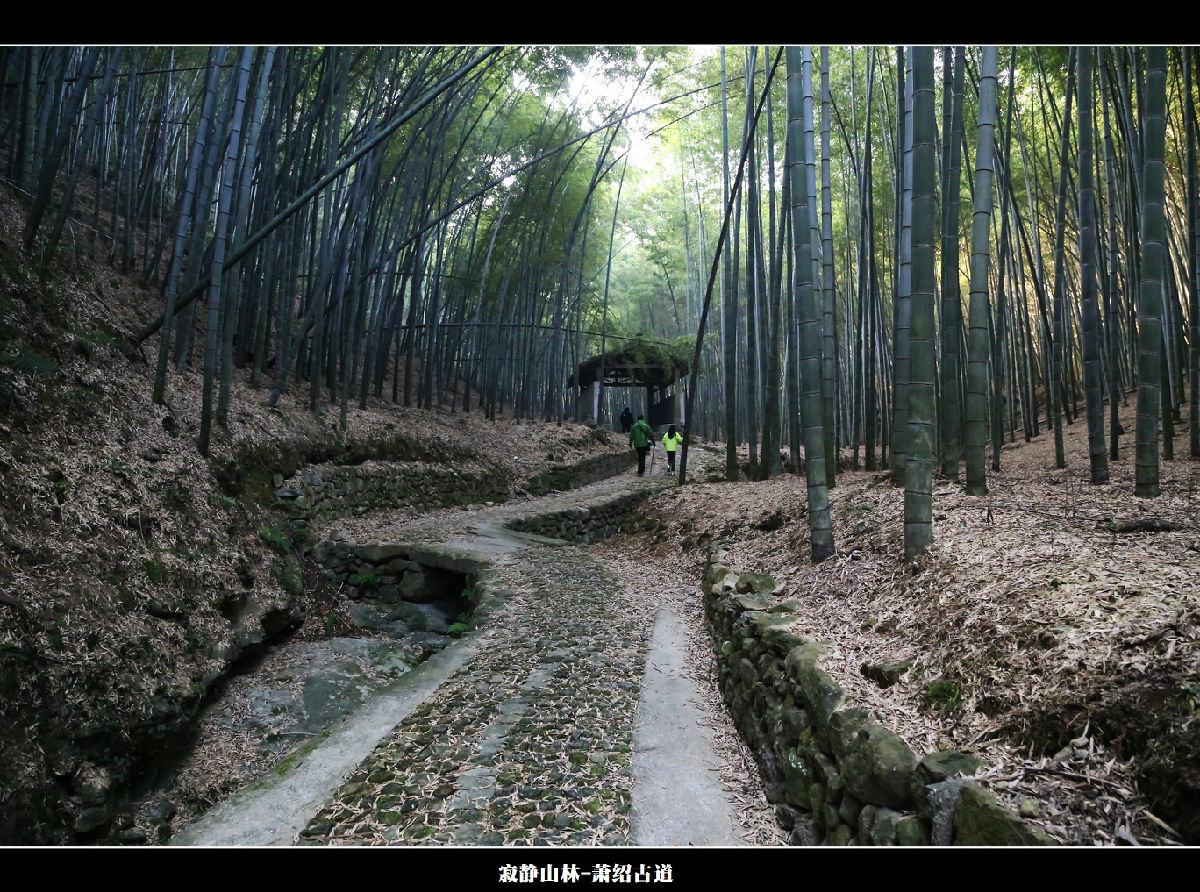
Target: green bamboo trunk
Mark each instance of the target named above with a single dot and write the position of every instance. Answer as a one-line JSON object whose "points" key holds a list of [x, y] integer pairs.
{"points": [[918, 477], [810, 323], [1150, 309], [1098, 458], [951, 319], [978, 340]]}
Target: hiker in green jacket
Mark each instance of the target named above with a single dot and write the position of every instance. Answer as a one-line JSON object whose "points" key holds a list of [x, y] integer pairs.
{"points": [[640, 438]]}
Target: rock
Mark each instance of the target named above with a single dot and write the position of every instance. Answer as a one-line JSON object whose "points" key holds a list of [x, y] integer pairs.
{"points": [[792, 723], [947, 764], [93, 783], [843, 729], [804, 833], [788, 816], [791, 605], [398, 566], [979, 820], [91, 818], [832, 819], [821, 693], [759, 583], [850, 809], [161, 810], [376, 553], [886, 674], [866, 821], [766, 623], [415, 589], [934, 770], [883, 828], [879, 767], [388, 593], [911, 832], [132, 836], [841, 836], [816, 800], [797, 778], [752, 602]]}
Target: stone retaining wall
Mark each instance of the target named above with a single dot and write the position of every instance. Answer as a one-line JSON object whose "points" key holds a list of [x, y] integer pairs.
{"points": [[598, 467], [584, 523], [329, 490], [835, 775], [396, 571]]}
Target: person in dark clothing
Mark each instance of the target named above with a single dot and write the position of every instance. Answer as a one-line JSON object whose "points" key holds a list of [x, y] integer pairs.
{"points": [[641, 436], [626, 420]]}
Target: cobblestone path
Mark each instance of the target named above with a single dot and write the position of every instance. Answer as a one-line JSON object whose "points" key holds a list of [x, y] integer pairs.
{"points": [[525, 735], [530, 741]]}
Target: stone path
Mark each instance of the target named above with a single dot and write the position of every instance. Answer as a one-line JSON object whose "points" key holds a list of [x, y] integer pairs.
{"points": [[526, 732], [673, 752], [531, 740]]}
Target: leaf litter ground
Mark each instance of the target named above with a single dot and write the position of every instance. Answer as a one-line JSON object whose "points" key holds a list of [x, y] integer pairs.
{"points": [[1062, 652]]}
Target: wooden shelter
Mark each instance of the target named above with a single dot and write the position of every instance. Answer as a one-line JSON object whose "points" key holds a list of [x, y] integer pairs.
{"points": [[661, 373]]}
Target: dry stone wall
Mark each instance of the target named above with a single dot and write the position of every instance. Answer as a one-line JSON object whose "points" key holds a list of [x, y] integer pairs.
{"points": [[584, 523], [399, 571], [836, 776], [573, 476], [330, 490]]}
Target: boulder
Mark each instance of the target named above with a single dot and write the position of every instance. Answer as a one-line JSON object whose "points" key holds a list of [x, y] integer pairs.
{"points": [[883, 828], [378, 553], [843, 729], [911, 832], [886, 674], [759, 583], [979, 820], [879, 767], [946, 764], [797, 778], [93, 783], [822, 695]]}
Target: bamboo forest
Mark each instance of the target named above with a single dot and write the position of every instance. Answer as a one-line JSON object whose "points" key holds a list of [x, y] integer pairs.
{"points": [[282, 327]]}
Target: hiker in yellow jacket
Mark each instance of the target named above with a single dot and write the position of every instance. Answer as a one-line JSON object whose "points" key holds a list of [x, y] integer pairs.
{"points": [[671, 440]]}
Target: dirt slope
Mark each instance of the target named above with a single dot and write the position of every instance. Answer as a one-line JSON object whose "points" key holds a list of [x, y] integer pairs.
{"points": [[133, 571]]}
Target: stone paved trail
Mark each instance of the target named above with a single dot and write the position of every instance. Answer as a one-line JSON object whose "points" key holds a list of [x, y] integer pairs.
{"points": [[530, 738]]}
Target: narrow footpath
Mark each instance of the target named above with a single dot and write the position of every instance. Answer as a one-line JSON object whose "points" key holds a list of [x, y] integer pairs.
{"points": [[566, 716]]}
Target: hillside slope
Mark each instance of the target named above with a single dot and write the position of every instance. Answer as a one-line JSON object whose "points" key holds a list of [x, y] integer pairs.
{"points": [[1053, 629], [134, 572]]}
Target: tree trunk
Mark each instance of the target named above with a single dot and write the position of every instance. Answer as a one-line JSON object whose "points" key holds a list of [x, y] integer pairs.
{"points": [[978, 341], [918, 477]]}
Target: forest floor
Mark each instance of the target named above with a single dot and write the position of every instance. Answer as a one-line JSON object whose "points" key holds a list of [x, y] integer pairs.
{"points": [[1059, 648]]}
